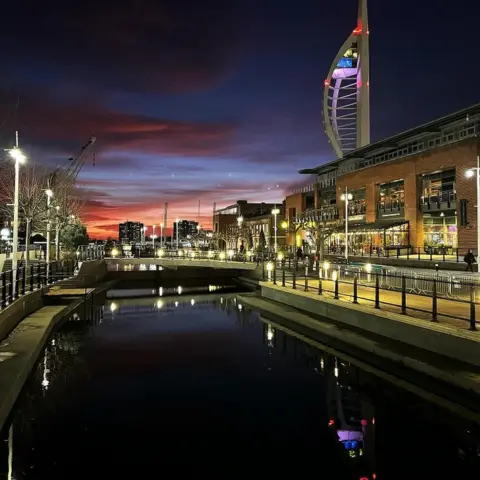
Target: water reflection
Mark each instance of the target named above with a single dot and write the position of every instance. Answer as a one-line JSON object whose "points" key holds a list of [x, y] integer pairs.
{"points": [[238, 371]]}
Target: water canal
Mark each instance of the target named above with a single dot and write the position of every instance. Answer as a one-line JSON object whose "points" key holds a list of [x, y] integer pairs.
{"points": [[174, 386]]}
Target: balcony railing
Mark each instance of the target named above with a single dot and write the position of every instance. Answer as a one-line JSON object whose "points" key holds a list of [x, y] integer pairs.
{"points": [[324, 214], [390, 208], [442, 201]]}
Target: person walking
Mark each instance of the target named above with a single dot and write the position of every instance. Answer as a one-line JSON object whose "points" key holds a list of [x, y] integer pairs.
{"points": [[469, 259]]}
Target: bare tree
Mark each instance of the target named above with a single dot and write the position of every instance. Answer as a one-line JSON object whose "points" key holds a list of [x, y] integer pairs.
{"points": [[32, 205]]}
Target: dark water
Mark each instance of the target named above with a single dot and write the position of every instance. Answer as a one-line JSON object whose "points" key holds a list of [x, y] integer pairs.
{"points": [[199, 387]]}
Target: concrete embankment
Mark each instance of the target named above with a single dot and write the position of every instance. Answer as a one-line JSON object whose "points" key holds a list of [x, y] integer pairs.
{"points": [[399, 340], [20, 351]]}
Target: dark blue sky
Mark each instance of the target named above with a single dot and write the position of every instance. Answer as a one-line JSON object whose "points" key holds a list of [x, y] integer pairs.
{"points": [[215, 101]]}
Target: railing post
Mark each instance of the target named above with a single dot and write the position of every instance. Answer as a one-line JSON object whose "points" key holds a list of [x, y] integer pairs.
{"points": [[377, 290], [17, 282], [24, 280], [404, 295], [294, 280], [39, 278], [434, 301], [306, 283], [32, 278], [320, 286], [336, 297], [10, 288], [274, 273], [355, 289], [283, 277], [473, 326], [4, 290]]}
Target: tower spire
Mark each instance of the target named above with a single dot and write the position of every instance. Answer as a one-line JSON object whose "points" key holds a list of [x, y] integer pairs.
{"points": [[363, 79]]}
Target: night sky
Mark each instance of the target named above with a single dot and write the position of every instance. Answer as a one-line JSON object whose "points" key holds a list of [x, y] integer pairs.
{"points": [[214, 100]]}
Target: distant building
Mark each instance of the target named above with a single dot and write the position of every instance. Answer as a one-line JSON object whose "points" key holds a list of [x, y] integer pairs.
{"points": [[186, 228], [130, 232]]}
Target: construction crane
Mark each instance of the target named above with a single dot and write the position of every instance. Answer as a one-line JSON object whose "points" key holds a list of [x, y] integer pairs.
{"points": [[68, 174]]}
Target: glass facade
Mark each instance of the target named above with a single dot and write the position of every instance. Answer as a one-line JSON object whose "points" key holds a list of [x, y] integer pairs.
{"points": [[438, 187], [440, 230], [358, 204], [391, 196]]}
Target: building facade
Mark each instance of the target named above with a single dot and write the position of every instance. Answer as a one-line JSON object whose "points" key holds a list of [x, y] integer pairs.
{"points": [[130, 232], [186, 228], [407, 191]]}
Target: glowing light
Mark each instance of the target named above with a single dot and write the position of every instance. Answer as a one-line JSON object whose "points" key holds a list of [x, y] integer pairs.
{"points": [[270, 333], [334, 275], [470, 173], [326, 265], [326, 83], [222, 256], [113, 307], [176, 304], [161, 252], [331, 423], [192, 302], [280, 256], [284, 225], [180, 253], [192, 254], [368, 268], [179, 290], [230, 253], [114, 252], [49, 193], [269, 266], [159, 304], [17, 155], [160, 291]]}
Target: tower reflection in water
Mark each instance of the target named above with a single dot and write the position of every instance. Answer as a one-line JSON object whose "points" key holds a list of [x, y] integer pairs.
{"points": [[351, 414]]}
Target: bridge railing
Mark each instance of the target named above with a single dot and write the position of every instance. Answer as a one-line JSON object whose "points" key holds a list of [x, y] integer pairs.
{"points": [[427, 295], [30, 278]]}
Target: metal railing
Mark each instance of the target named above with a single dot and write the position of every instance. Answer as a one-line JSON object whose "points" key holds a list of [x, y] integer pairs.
{"points": [[30, 278], [431, 294], [426, 253]]}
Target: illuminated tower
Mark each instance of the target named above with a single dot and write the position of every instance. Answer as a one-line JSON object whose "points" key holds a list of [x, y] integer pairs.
{"points": [[346, 96]]}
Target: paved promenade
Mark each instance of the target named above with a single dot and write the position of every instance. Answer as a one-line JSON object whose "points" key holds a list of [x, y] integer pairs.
{"points": [[451, 312]]}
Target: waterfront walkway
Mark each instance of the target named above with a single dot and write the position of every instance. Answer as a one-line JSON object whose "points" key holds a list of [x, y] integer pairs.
{"points": [[453, 312]]}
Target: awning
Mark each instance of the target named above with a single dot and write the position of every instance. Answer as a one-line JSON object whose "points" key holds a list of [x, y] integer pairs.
{"points": [[377, 226]]}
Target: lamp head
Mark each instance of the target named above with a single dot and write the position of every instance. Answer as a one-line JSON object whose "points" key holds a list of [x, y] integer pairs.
{"points": [[470, 173]]}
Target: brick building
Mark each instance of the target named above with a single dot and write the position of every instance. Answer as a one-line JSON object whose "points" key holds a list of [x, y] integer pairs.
{"points": [[409, 190]]}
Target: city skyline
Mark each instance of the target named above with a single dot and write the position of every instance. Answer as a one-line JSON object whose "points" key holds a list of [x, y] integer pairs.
{"points": [[191, 105]]}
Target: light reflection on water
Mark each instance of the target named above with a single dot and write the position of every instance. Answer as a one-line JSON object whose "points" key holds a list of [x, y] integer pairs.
{"points": [[224, 380]]}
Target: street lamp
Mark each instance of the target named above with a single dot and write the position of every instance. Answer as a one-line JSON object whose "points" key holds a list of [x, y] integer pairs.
{"points": [[49, 194], [153, 240], [57, 235], [161, 235], [346, 197], [19, 158], [177, 232], [469, 174], [275, 212]]}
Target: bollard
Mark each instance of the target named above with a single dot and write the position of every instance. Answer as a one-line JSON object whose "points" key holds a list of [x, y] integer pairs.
{"points": [[355, 289], [294, 280], [377, 291], [306, 283], [39, 280], [336, 297], [404, 295], [283, 277], [473, 326], [32, 278], [320, 289], [434, 301]]}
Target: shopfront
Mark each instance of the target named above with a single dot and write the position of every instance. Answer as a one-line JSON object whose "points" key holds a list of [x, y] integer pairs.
{"points": [[371, 238], [440, 230]]}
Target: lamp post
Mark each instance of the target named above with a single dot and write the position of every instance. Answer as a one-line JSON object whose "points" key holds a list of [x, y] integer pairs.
{"points": [[177, 232], [57, 235], [153, 240], [49, 194], [469, 174], [19, 158], [275, 212], [161, 235], [346, 197]]}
